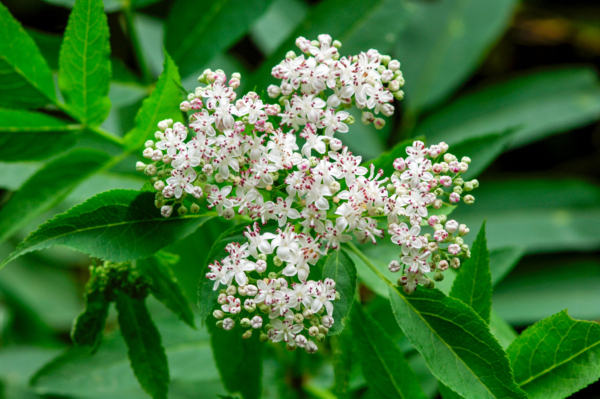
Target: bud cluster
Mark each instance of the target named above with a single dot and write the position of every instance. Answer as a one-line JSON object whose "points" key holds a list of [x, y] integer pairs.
{"points": [[110, 276], [244, 159]]}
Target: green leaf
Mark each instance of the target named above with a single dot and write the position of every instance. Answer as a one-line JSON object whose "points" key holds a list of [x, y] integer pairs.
{"points": [[206, 294], [239, 360], [386, 370], [444, 42], [473, 285], [85, 69], [48, 187], [448, 332], [340, 268], [539, 104], [342, 358], [447, 393], [49, 46], [108, 374], [197, 31], [165, 287], [556, 357], [89, 326], [162, 104], [116, 225], [386, 160], [482, 151], [28, 136], [145, 350], [502, 330], [503, 260], [109, 5], [538, 214], [25, 78]]}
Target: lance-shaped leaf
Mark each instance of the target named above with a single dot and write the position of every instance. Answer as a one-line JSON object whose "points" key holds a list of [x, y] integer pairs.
{"points": [[206, 294], [342, 358], [383, 364], [30, 136], [117, 225], [162, 104], [49, 186], [196, 31], [447, 332], [25, 78], [85, 69], [556, 357], [239, 360], [165, 287], [473, 285], [482, 151], [340, 268], [88, 328], [145, 350]]}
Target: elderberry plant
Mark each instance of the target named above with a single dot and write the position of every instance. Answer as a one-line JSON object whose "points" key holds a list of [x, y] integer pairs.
{"points": [[242, 158]]}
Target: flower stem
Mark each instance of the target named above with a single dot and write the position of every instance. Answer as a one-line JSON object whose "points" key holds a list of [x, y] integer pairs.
{"points": [[318, 392]]}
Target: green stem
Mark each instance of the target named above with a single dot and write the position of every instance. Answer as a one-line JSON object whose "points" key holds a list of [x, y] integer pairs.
{"points": [[367, 262], [135, 43], [318, 392]]}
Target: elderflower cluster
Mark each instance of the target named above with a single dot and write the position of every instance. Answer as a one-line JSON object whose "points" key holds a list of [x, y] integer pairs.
{"points": [[241, 156]]}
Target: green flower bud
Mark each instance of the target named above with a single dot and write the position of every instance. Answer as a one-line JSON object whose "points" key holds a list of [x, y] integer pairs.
{"points": [[195, 208], [298, 318], [247, 334], [320, 337], [182, 210], [277, 261], [458, 181], [290, 346], [438, 276], [261, 257], [220, 324], [263, 337], [245, 322]]}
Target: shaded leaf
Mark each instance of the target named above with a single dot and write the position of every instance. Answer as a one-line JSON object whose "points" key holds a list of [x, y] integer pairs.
{"points": [[340, 268], [191, 23], [538, 104], [49, 186], [482, 150], [165, 287], [85, 69], [145, 350], [446, 331], [503, 260], [25, 78], [473, 285], [116, 225], [386, 370], [502, 330], [162, 104], [239, 360], [109, 5], [342, 355], [444, 42], [556, 357], [27, 136], [89, 326]]}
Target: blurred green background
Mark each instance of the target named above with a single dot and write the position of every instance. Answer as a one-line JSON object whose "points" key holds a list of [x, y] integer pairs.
{"points": [[517, 80]]}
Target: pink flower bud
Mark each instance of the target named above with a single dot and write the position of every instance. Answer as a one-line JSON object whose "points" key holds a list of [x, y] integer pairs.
{"points": [[446, 181], [451, 226], [433, 220], [394, 266], [434, 151], [440, 235], [443, 265], [454, 198], [185, 106], [399, 164], [454, 249]]}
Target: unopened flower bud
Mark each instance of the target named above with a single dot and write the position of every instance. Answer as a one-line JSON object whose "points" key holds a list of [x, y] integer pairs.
{"points": [[148, 152], [277, 261], [437, 204], [263, 337], [379, 123], [245, 322], [231, 290], [320, 337], [291, 346], [228, 324], [222, 299], [394, 266], [393, 65], [166, 211], [454, 249], [455, 263], [256, 322], [438, 276], [228, 213], [165, 124], [218, 178], [327, 321], [219, 324], [432, 246], [463, 230], [398, 95], [311, 347], [261, 266], [443, 265], [469, 199], [451, 226], [247, 334], [182, 210], [195, 208], [313, 331], [454, 198], [185, 106], [159, 185], [301, 341], [218, 314], [335, 144], [298, 318], [449, 158], [394, 86], [265, 308], [307, 313]]}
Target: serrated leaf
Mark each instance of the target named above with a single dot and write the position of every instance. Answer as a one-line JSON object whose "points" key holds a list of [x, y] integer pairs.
{"points": [[386, 370], [25, 78], [89, 325], [443, 43], [539, 104], [162, 104], [29, 136], [198, 31], [85, 68], [447, 332], [48, 187], [556, 357], [117, 225], [340, 268], [239, 360], [165, 287], [473, 285], [145, 350]]}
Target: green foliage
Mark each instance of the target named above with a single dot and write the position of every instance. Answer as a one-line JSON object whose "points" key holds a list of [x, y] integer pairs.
{"points": [[538, 104], [240, 361], [342, 351], [190, 22], [25, 79], [85, 69], [556, 356], [48, 187], [473, 285], [162, 104], [165, 287], [386, 160], [446, 331], [89, 326], [145, 350], [443, 43], [116, 225], [383, 364], [340, 268]]}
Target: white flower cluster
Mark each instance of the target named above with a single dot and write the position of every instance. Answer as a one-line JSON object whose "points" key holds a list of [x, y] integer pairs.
{"points": [[313, 184]]}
